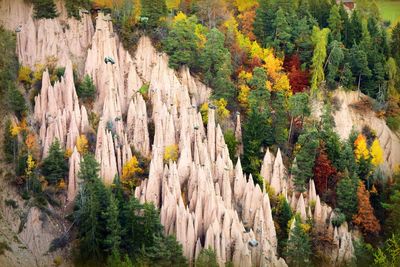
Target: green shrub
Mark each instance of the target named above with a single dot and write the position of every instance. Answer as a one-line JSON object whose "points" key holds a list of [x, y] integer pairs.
{"points": [[231, 142], [44, 9], [3, 247], [54, 165], [393, 122], [11, 203]]}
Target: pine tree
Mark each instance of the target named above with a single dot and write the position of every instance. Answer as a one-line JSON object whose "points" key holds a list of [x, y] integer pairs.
{"points": [[86, 90], [280, 122], [335, 23], [359, 63], [305, 158], [298, 108], [283, 215], [181, 43], [215, 61], [15, 100], [264, 22], [365, 217], [282, 37], [54, 166], [113, 239], [336, 56], [44, 9], [346, 192], [10, 143], [154, 10], [392, 224], [395, 43], [207, 258], [298, 248], [355, 29], [346, 78]]}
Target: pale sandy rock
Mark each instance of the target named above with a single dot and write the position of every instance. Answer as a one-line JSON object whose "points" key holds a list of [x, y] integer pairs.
{"points": [[73, 180], [301, 208]]}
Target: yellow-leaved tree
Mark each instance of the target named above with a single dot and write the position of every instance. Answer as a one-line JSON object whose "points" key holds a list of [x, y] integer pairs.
{"points": [[171, 152], [82, 144], [30, 165], [360, 148], [376, 153], [129, 172]]}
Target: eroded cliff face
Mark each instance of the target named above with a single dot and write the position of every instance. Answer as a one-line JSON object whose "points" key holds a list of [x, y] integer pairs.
{"points": [[351, 114], [205, 199]]}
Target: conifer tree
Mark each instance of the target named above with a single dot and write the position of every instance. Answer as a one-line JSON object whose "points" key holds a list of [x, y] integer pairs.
{"points": [[335, 23], [264, 22], [10, 143], [44, 9], [335, 58], [207, 258], [346, 191], [305, 158], [54, 166], [395, 43], [298, 248], [86, 90], [216, 64], [154, 10], [282, 40], [15, 100], [181, 43], [280, 121]]}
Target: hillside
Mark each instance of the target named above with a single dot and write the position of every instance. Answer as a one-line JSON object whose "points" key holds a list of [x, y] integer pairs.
{"points": [[182, 133]]}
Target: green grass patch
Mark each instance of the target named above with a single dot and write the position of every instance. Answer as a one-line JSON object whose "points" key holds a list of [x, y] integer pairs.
{"points": [[390, 10]]}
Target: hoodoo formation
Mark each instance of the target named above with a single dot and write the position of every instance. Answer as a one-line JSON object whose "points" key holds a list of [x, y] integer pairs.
{"points": [[159, 159]]}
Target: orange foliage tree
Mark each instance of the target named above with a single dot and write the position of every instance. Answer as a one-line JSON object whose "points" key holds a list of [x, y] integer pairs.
{"points": [[323, 171], [365, 217]]}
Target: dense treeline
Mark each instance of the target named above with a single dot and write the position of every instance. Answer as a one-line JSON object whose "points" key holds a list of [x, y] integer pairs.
{"points": [[118, 229]]}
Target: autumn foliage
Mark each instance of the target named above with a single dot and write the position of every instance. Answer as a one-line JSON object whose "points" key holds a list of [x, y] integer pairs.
{"points": [[297, 77], [365, 218], [323, 172]]}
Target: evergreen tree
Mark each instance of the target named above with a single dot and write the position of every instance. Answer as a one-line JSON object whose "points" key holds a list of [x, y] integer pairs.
{"points": [[15, 100], [346, 191], [264, 22], [359, 63], [305, 158], [88, 210], [392, 223], [181, 43], [330, 138], [279, 119], [335, 23], [282, 37], [298, 247], [207, 258], [395, 43], [336, 56], [355, 29], [347, 78], [154, 10], [113, 227], [301, 36], [54, 166], [73, 7], [298, 108], [215, 61], [346, 25], [10, 143], [44, 9], [283, 215], [86, 89]]}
